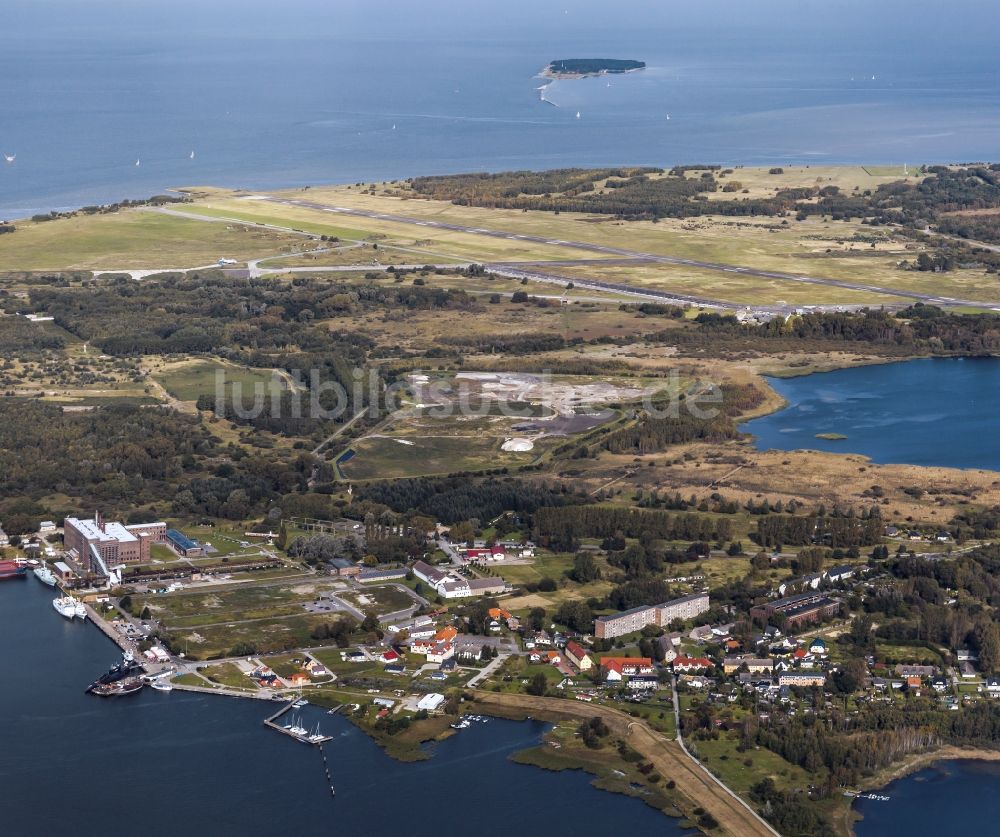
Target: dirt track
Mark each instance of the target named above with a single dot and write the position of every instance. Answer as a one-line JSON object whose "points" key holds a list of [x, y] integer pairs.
{"points": [[670, 761]]}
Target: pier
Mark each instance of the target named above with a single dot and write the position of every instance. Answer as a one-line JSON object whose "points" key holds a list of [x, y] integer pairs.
{"points": [[316, 739]]}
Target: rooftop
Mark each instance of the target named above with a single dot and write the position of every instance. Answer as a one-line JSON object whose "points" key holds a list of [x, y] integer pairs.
{"points": [[179, 538]]}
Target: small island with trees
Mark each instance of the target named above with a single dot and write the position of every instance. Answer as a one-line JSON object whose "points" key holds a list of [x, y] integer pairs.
{"points": [[584, 67]]}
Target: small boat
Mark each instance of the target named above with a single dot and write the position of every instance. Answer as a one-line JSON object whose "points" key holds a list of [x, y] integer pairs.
{"points": [[578, 114], [162, 685], [45, 575], [10, 157], [300, 703], [192, 155], [137, 162], [65, 606]]}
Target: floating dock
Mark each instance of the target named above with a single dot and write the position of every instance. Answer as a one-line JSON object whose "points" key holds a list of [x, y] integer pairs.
{"points": [[315, 739]]}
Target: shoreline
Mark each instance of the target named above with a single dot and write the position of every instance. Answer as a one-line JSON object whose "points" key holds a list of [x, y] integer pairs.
{"points": [[913, 763]]}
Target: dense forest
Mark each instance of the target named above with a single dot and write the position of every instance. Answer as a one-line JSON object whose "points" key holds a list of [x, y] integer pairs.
{"points": [[562, 528], [711, 421], [21, 337], [919, 329], [837, 531], [453, 499]]}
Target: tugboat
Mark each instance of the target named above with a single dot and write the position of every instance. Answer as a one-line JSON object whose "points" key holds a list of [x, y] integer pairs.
{"points": [[128, 686], [125, 669]]}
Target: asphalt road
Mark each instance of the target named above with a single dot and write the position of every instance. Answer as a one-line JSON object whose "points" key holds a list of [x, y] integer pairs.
{"points": [[648, 258]]}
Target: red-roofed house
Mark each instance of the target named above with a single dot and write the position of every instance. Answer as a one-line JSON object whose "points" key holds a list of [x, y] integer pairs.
{"points": [[446, 634], [436, 651], [389, 656], [615, 669], [689, 664], [578, 656]]}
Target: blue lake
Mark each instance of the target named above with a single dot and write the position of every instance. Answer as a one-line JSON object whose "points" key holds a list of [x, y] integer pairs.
{"points": [[307, 91], [933, 411], [950, 797], [172, 763]]}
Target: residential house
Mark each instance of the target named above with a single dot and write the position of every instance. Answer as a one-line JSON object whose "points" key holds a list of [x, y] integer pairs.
{"points": [[667, 651], [903, 670], [578, 657], [802, 678], [690, 664], [436, 651], [618, 669], [753, 664], [841, 573], [316, 668], [806, 582], [817, 647], [446, 634]]}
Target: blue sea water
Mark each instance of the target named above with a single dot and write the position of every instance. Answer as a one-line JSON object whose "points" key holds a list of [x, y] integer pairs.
{"points": [[932, 411], [163, 764], [307, 91], [950, 797]]}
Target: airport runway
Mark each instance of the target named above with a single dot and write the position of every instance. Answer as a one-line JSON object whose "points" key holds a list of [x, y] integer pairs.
{"points": [[636, 256]]}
